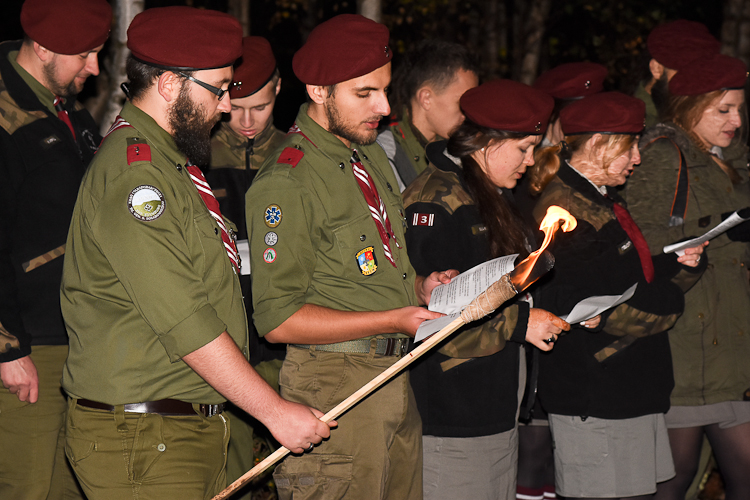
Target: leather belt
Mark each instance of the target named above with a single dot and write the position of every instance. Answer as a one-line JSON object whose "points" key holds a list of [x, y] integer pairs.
{"points": [[390, 346], [161, 407]]}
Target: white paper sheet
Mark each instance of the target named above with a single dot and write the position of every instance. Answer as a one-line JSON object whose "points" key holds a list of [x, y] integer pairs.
{"points": [[728, 223], [243, 248], [454, 296], [451, 298], [594, 306]]}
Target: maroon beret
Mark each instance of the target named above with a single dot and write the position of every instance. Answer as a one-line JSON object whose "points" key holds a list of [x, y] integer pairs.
{"points": [[67, 26], [508, 105], [344, 47], [185, 38], [572, 80], [255, 69], [607, 112], [677, 43], [717, 72]]}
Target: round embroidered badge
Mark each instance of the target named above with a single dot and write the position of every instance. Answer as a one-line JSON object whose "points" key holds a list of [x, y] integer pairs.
{"points": [[271, 238], [146, 203], [269, 255], [272, 215]]}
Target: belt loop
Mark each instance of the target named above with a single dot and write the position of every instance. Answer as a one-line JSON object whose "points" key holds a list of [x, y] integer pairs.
{"points": [[205, 423], [373, 350], [119, 413], [71, 405]]}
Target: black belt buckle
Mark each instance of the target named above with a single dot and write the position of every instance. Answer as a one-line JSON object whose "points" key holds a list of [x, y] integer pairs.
{"points": [[211, 410], [395, 347]]}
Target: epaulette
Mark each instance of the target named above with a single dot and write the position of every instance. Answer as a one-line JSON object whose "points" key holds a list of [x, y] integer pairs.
{"points": [[291, 156], [138, 150]]}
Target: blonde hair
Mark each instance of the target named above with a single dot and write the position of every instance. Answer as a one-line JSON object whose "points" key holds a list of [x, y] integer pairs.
{"points": [[547, 160]]}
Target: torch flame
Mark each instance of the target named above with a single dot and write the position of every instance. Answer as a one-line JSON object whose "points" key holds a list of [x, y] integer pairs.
{"points": [[555, 217]]}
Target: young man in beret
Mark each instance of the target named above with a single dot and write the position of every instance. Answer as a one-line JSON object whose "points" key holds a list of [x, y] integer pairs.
{"points": [[46, 141], [427, 85], [331, 276], [240, 144], [150, 292]]}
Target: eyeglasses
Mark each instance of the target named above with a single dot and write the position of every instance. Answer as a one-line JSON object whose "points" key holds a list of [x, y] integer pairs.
{"points": [[214, 90]]}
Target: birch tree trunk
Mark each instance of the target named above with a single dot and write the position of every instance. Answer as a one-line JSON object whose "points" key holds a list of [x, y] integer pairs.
{"points": [[371, 9], [532, 39], [111, 97], [735, 31], [241, 10]]}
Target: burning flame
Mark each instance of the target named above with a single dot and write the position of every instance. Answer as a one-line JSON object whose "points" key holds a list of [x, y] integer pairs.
{"points": [[555, 217]]}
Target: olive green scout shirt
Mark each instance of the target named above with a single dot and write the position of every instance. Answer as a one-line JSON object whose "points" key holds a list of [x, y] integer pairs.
{"points": [[308, 220], [146, 278]]}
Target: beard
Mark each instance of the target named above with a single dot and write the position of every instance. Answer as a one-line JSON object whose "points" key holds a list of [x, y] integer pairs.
{"points": [[57, 87], [660, 95], [191, 129], [337, 126]]}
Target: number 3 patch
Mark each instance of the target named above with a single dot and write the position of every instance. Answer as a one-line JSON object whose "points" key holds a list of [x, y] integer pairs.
{"points": [[423, 219]]}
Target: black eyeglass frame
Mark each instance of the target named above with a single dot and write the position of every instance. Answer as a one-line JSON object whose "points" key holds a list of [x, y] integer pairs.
{"points": [[214, 90]]}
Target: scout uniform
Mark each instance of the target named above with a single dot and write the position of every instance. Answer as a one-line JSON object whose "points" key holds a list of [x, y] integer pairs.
{"points": [[147, 281], [42, 161], [405, 146], [235, 160], [313, 241]]}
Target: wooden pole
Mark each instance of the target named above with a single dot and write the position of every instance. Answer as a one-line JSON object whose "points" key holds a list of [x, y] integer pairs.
{"points": [[489, 300]]}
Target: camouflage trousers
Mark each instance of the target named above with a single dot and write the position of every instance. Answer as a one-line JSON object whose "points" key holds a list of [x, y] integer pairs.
{"points": [[32, 461]]}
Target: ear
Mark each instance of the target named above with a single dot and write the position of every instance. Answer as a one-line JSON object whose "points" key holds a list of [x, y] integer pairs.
{"points": [[278, 86], [424, 97], [43, 53], [656, 68], [318, 94], [169, 86]]}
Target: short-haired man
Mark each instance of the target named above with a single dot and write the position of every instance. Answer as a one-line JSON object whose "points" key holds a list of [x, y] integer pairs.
{"points": [[240, 145], [46, 141], [671, 45], [150, 293], [427, 85], [331, 275]]}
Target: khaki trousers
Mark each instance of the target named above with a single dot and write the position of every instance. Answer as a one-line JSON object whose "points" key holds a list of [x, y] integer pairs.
{"points": [[144, 456], [376, 451], [32, 436]]}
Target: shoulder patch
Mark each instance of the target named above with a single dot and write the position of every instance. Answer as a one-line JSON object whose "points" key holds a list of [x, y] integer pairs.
{"points": [[146, 203], [138, 150], [291, 156]]}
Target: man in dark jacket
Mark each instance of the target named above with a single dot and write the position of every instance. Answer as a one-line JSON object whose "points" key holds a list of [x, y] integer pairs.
{"points": [[46, 141]]}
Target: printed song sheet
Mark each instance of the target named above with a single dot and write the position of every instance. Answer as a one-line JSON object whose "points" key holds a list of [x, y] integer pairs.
{"points": [[727, 224], [594, 306]]}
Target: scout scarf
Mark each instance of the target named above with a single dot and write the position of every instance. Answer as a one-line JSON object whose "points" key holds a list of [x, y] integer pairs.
{"points": [[63, 115], [213, 207], [635, 235], [377, 209]]}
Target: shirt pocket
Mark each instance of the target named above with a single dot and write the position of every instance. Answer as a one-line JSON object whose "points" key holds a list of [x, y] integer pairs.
{"points": [[360, 249], [208, 251]]}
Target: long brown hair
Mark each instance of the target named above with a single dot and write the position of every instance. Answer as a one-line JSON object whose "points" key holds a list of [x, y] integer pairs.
{"points": [[686, 111], [506, 231]]}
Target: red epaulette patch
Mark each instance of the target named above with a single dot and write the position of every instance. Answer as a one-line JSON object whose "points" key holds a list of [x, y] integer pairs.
{"points": [[139, 152], [291, 156]]}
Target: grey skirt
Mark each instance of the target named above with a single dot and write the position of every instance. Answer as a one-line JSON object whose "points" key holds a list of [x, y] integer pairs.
{"points": [[727, 414], [610, 458]]}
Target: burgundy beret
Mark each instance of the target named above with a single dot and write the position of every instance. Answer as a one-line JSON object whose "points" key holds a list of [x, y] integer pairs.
{"points": [[255, 69], [677, 43], [185, 38], [508, 105], [607, 112], [572, 80], [705, 75], [344, 47], [67, 26]]}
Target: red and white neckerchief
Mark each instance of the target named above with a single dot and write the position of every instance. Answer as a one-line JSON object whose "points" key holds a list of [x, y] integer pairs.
{"points": [[213, 208], [377, 208], [63, 115], [118, 123]]}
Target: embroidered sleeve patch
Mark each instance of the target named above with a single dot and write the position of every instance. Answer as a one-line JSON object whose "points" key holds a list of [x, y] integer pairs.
{"points": [[423, 219], [146, 203], [272, 215], [291, 156], [139, 152]]}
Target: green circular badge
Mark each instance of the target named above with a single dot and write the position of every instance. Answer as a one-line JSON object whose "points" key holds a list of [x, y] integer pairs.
{"points": [[146, 203]]}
